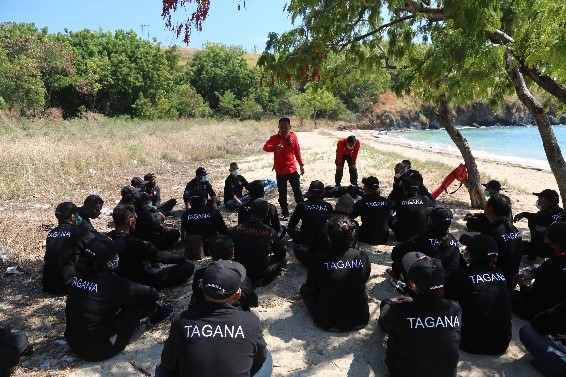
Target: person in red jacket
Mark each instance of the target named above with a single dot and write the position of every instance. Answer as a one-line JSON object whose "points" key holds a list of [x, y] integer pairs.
{"points": [[347, 150], [286, 149]]}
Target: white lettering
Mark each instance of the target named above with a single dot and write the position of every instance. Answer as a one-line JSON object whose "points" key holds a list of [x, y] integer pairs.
{"points": [[433, 322], [84, 285], [355, 264], [220, 331], [511, 236]]}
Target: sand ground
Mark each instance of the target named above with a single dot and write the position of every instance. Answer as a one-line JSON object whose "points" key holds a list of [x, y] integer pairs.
{"points": [[298, 347]]}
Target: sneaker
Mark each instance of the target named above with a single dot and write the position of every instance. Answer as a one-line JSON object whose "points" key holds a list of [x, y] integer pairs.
{"points": [[166, 312]]}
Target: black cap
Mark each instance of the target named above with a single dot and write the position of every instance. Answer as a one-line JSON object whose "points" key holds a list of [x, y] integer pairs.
{"points": [[200, 171], [371, 182], [256, 188], [482, 246], [149, 177], [137, 181], [410, 258], [556, 232], [427, 274], [100, 249], [140, 198], [129, 190], [410, 185], [222, 278], [316, 187], [548, 194], [65, 210], [440, 215], [493, 184]]}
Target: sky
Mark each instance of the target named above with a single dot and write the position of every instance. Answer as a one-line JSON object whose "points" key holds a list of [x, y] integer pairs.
{"points": [[225, 24]]}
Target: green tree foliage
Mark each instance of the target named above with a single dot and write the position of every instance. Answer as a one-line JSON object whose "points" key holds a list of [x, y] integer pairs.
{"points": [[218, 69]]}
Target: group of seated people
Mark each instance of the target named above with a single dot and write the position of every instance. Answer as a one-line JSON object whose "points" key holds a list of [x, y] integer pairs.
{"points": [[450, 300]]}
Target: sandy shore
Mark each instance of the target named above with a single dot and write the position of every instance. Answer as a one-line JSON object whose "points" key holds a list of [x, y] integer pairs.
{"points": [[298, 347]]}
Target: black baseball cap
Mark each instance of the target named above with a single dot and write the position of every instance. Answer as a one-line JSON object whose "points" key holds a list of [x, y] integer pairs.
{"points": [[316, 187], [200, 171], [149, 177], [371, 182], [129, 190], [482, 246], [65, 210], [548, 194], [256, 188], [100, 249], [427, 274], [222, 278], [197, 195], [440, 215], [410, 184], [137, 181], [410, 258], [557, 232], [493, 184], [140, 197]]}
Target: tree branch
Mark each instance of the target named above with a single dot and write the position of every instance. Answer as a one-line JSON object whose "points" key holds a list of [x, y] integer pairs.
{"points": [[419, 7], [498, 37], [378, 30], [550, 84]]}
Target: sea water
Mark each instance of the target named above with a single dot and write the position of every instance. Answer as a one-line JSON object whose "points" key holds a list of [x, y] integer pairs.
{"points": [[516, 144]]}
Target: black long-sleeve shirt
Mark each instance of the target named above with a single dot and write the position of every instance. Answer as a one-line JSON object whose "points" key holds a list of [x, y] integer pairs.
{"points": [[62, 248], [510, 248], [374, 211]]}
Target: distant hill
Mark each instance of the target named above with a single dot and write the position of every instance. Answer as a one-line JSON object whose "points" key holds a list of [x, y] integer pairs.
{"points": [[187, 54]]}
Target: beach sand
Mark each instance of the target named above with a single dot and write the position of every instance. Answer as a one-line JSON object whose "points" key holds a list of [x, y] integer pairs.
{"points": [[299, 347]]}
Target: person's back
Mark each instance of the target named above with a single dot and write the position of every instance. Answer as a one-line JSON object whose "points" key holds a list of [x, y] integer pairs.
{"points": [[256, 191], [411, 213], [201, 219], [374, 211], [214, 338], [62, 249], [481, 291], [424, 331], [510, 245]]}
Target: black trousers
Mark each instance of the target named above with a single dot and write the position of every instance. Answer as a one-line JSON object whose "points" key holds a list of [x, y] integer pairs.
{"points": [[166, 238], [295, 180], [12, 346], [169, 276], [274, 268], [167, 206], [351, 168]]}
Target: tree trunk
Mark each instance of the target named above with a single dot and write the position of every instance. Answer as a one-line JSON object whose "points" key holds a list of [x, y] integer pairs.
{"points": [[551, 147], [473, 183]]}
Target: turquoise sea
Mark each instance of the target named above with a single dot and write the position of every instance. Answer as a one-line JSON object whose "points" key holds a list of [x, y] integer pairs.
{"points": [[516, 144]]}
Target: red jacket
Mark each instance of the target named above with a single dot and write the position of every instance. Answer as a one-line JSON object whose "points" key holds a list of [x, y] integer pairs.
{"points": [[284, 158], [343, 150]]}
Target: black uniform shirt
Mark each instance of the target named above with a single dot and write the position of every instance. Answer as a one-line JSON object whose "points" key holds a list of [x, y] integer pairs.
{"points": [[446, 251], [62, 249], [424, 336], [510, 248], [234, 186], [93, 302], [551, 321], [207, 222], [272, 219], [254, 243], [247, 300], [214, 340], [374, 211], [136, 256], [147, 224], [202, 185], [307, 212], [549, 287], [543, 218], [337, 283], [484, 298], [411, 216]]}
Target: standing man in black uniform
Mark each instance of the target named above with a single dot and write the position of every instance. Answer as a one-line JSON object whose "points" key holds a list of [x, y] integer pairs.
{"points": [[434, 242], [154, 193], [139, 260], [201, 219], [215, 339], [233, 188], [257, 246], [103, 310], [200, 181], [481, 291], [374, 211], [307, 213], [62, 249], [256, 191], [549, 286], [411, 216], [509, 239], [335, 289], [424, 331], [149, 227], [549, 212]]}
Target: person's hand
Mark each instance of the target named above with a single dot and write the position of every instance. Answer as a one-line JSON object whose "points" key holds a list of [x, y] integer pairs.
{"points": [[278, 147], [302, 168], [518, 217], [402, 299]]}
